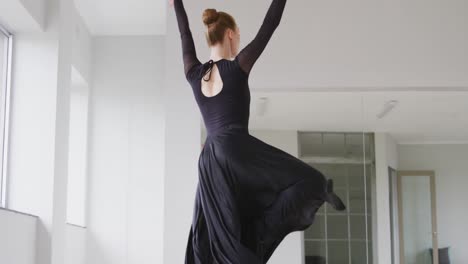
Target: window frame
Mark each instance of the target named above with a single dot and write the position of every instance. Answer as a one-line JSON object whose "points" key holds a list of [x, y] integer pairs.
{"points": [[5, 117]]}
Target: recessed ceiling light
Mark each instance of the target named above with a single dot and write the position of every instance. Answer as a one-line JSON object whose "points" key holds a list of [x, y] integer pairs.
{"points": [[388, 106]]}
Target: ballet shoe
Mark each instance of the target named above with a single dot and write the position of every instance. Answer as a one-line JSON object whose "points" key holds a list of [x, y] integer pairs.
{"points": [[332, 198]]}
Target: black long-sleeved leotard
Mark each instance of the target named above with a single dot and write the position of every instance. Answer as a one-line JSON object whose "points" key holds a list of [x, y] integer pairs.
{"points": [[232, 103]]}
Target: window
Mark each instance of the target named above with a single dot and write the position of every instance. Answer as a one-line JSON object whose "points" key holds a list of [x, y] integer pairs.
{"points": [[5, 69]]}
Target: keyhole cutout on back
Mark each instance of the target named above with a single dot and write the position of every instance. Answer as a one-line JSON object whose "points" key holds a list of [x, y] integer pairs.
{"points": [[214, 85]]}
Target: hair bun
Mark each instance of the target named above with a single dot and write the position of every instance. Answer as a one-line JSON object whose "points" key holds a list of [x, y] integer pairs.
{"points": [[210, 15]]}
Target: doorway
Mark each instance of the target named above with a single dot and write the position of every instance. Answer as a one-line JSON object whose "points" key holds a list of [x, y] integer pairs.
{"points": [[417, 217]]}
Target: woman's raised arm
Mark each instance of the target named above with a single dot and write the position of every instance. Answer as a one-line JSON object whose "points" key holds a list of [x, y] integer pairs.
{"points": [[249, 55], [188, 47]]}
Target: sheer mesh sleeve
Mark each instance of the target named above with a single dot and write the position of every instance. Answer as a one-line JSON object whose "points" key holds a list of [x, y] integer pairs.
{"points": [[188, 47], [249, 55]]}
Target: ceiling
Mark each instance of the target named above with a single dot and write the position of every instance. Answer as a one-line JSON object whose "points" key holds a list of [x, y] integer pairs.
{"points": [[123, 17], [19, 16]]}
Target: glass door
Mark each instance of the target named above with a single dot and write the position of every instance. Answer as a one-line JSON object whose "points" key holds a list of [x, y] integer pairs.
{"points": [[418, 228]]}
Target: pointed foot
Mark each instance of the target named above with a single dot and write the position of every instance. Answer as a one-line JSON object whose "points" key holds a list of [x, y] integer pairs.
{"points": [[333, 199]]}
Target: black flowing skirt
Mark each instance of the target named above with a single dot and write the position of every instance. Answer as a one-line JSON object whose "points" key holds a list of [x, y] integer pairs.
{"points": [[249, 197]]}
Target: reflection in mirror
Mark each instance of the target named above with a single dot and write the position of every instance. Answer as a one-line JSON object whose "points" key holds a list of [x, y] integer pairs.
{"points": [[416, 211], [348, 159], [421, 153]]}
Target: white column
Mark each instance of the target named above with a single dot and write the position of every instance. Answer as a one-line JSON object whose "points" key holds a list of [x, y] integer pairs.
{"points": [[385, 156], [59, 213]]}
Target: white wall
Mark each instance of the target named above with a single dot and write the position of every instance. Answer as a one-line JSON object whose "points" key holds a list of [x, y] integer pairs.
{"points": [[18, 239], [385, 156], [449, 164], [76, 245], [126, 151]]}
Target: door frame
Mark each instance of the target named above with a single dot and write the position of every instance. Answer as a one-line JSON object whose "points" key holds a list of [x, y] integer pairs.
{"points": [[416, 173]]}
